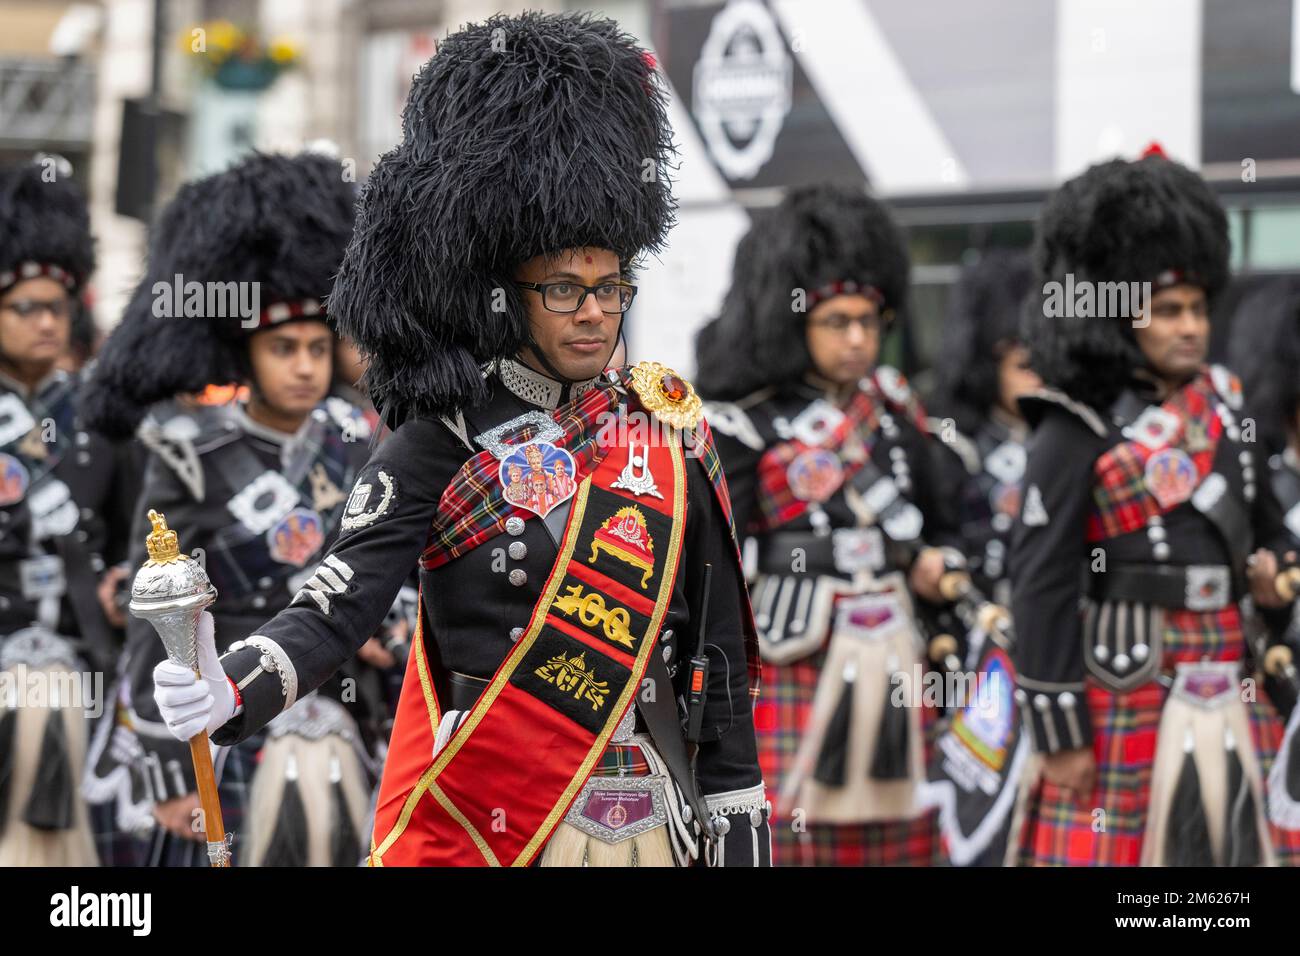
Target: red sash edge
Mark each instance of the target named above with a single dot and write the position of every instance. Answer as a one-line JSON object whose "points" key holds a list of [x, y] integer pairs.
{"points": [[445, 834]]}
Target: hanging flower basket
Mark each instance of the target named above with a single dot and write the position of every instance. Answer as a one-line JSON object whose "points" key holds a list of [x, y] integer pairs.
{"points": [[238, 59]]}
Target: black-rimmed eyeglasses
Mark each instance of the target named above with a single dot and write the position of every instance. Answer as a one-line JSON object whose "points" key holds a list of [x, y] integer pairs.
{"points": [[612, 297]]}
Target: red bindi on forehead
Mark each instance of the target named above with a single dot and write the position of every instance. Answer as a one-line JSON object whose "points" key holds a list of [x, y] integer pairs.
{"points": [[588, 260]]}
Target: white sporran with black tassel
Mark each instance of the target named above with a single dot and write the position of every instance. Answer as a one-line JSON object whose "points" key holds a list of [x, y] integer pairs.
{"points": [[44, 820], [861, 758], [1206, 803], [310, 791], [626, 820]]}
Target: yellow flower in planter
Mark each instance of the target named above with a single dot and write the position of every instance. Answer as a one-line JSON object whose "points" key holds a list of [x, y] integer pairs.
{"points": [[282, 52]]}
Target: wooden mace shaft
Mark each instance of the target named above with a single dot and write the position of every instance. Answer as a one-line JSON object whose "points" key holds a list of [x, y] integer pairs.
{"points": [[214, 830]]}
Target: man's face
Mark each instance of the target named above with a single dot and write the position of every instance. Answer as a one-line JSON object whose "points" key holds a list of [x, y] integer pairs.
{"points": [[1015, 377], [844, 337], [578, 344], [35, 321], [292, 363], [1176, 339]]}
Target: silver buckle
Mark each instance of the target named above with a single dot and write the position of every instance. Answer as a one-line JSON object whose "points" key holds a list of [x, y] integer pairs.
{"points": [[816, 423], [548, 430], [858, 549], [1208, 587]]}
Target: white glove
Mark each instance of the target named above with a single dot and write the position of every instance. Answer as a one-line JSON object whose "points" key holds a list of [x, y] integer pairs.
{"points": [[189, 704]]}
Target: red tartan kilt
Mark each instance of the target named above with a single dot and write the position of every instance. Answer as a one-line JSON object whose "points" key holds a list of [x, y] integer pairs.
{"points": [[1060, 831], [780, 714]]}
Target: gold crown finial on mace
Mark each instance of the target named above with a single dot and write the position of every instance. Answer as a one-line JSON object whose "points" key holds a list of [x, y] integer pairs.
{"points": [[162, 542]]}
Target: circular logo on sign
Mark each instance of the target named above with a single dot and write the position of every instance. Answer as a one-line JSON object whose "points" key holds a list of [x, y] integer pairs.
{"points": [[296, 537], [742, 88], [616, 817], [814, 475], [13, 480]]}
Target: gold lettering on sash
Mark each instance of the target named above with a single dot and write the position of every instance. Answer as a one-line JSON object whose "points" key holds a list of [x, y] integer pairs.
{"points": [[591, 610], [571, 674]]}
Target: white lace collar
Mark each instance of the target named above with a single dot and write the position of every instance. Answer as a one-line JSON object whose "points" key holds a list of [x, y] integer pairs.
{"points": [[538, 389]]}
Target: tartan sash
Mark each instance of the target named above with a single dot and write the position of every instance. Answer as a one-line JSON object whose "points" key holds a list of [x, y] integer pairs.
{"points": [[777, 503], [1123, 499], [494, 794]]}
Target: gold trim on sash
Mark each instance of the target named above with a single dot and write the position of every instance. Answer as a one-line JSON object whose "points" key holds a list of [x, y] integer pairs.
{"points": [[426, 782]]}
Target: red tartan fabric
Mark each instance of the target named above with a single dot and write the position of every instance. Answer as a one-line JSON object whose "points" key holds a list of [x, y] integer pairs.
{"points": [[779, 718], [777, 504], [473, 509], [1123, 501], [1060, 832]]}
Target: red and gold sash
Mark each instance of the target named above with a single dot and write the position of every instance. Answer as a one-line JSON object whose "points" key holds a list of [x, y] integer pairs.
{"points": [[496, 791]]}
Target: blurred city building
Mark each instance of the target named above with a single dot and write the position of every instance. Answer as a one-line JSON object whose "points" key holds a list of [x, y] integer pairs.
{"points": [[963, 115]]}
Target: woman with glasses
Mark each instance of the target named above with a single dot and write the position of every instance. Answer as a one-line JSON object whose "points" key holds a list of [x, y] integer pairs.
{"points": [[828, 460]]}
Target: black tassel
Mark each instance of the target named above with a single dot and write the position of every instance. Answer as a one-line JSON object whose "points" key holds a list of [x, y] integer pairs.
{"points": [[832, 762], [50, 805], [1187, 834], [1241, 834], [893, 756], [345, 845], [8, 722], [288, 846]]}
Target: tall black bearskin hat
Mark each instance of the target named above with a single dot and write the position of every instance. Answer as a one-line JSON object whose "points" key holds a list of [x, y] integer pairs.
{"points": [[276, 224], [822, 240], [1264, 349], [44, 225], [984, 316], [1151, 220], [523, 136]]}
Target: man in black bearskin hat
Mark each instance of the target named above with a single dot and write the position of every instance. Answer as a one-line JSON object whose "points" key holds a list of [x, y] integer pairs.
{"points": [[60, 520], [981, 764], [239, 266], [1144, 537], [568, 627], [829, 462]]}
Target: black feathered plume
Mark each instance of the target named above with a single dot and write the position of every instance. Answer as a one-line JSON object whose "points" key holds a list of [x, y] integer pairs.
{"points": [[984, 313], [1264, 349], [44, 219], [1126, 222], [279, 221], [523, 136]]}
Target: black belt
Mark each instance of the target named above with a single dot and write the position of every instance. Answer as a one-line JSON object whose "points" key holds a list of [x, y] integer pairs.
{"points": [[776, 550], [1205, 587]]}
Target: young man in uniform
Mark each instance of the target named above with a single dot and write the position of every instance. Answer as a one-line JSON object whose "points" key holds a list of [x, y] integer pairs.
{"points": [[61, 520], [1147, 531], [257, 487], [830, 464]]}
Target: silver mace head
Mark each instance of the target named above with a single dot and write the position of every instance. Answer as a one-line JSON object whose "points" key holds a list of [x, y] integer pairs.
{"points": [[170, 592]]}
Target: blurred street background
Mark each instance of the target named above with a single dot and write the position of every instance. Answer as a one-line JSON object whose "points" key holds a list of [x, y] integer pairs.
{"points": [[962, 115]]}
